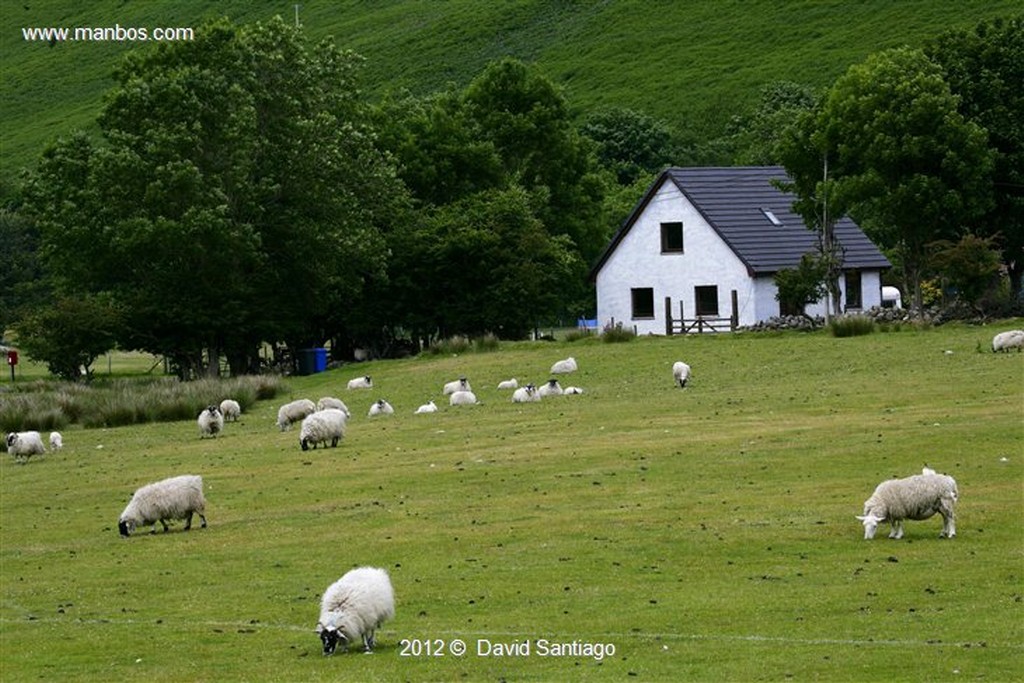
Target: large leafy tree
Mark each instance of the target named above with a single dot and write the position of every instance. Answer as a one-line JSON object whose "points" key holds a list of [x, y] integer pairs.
{"points": [[237, 197], [756, 134], [900, 158], [632, 145], [984, 67]]}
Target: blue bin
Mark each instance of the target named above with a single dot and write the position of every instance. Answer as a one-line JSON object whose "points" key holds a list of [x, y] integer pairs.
{"points": [[311, 361]]}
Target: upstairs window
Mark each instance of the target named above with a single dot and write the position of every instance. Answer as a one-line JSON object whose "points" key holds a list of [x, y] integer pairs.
{"points": [[672, 238]]}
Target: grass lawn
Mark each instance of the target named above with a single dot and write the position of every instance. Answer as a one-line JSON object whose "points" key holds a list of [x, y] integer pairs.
{"points": [[697, 534]]}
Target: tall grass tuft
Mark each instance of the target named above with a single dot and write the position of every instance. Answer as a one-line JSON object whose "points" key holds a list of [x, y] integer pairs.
{"points": [[614, 334], [851, 326], [578, 334], [487, 343]]}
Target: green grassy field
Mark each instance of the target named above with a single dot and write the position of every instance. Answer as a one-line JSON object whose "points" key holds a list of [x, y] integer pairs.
{"points": [[704, 534]]}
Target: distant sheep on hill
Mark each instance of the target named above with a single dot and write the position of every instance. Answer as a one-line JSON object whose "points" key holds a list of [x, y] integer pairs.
{"points": [[565, 366], [331, 402], [23, 445], [462, 398], [322, 426], [1004, 341], [680, 374], [56, 441], [294, 412], [361, 383], [210, 421], [509, 384], [551, 388], [169, 499], [461, 384], [230, 409], [381, 407], [354, 607], [428, 407], [527, 394], [917, 497]]}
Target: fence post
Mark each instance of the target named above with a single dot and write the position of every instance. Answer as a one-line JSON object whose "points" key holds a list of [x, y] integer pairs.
{"points": [[734, 320], [668, 316]]}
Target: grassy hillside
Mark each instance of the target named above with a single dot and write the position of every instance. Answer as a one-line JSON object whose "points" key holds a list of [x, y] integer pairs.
{"points": [[706, 533], [692, 64]]}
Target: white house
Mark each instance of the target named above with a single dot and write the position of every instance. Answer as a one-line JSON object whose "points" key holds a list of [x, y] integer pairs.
{"points": [[704, 243]]}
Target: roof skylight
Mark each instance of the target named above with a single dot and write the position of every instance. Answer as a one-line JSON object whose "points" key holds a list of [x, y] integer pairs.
{"points": [[771, 216]]}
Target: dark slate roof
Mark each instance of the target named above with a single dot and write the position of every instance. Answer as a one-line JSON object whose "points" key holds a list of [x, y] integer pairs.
{"points": [[732, 201]]}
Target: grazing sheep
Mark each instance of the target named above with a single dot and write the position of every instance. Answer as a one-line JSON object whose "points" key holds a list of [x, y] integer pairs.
{"points": [[210, 421], [294, 412], [461, 384], [56, 441], [331, 402], [361, 383], [323, 426], [462, 398], [1004, 341], [680, 373], [381, 407], [428, 407], [230, 409], [174, 498], [563, 367], [23, 445], [917, 497], [572, 391], [552, 388], [509, 384], [354, 607], [527, 394]]}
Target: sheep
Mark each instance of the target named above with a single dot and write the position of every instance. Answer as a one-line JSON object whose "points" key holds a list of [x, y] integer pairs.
{"points": [[680, 373], [210, 421], [1004, 341], [552, 388], [175, 498], [331, 402], [323, 426], [381, 407], [230, 409], [361, 383], [294, 412], [354, 607], [23, 445], [509, 384], [56, 441], [917, 497], [461, 384], [527, 394], [565, 366], [572, 391], [428, 407], [462, 398]]}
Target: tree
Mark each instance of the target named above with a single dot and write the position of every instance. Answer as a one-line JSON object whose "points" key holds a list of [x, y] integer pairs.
{"points": [[22, 286], [70, 334], [756, 135], [801, 286], [629, 144], [901, 158], [984, 68], [970, 266]]}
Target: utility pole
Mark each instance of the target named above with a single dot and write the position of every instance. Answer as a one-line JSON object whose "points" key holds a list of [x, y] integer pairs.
{"points": [[297, 6]]}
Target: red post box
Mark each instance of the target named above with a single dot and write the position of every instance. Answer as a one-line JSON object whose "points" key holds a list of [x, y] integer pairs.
{"points": [[12, 357]]}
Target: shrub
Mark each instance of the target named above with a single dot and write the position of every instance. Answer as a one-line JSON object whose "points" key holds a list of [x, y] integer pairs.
{"points": [[450, 346], [851, 326], [579, 333], [613, 334], [488, 342]]}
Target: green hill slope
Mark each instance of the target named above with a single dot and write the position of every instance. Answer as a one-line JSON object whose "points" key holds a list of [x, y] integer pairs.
{"points": [[691, 64]]}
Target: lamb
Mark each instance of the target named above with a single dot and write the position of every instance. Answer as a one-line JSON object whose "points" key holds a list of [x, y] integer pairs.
{"points": [[354, 607], [572, 391], [56, 441], [565, 366], [361, 383], [175, 498], [461, 384], [331, 402], [509, 384], [462, 398], [381, 407], [1004, 341], [527, 394], [210, 421], [917, 497], [428, 407], [294, 412], [323, 426], [230, 409], [680, 373], [552, 388], [23, 445]]}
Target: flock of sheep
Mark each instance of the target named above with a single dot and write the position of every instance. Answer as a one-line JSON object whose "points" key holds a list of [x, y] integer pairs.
{"points": [[357, 604]]}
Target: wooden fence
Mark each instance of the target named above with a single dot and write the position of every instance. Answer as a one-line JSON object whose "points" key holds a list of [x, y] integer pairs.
{"points": [[701, 323]]}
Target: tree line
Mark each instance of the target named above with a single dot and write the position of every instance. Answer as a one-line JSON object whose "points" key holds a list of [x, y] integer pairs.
{"points": [[243, 191]]}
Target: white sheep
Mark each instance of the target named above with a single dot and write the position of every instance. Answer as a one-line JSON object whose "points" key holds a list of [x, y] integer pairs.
{"points": [[462, 398], [1011, 339], [323, 426], [294, 412], [331, 402], [381, 407], [565, 366], [361, 383], [354, 607], [917, 497], [210, 421], [527, 394], [56, 441], [461, 384], [175, 498], [680, 373], [509, 384], [428, 407], [23, 445], [552, 388], [572, 391], [230, 409]]}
